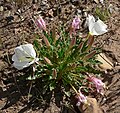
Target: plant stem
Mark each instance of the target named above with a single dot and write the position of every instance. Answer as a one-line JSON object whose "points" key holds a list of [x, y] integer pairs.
{"points": [[74, 89]]}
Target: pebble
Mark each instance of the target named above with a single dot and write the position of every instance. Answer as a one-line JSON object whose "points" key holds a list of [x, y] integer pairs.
{"points": [[110, 8], [6, 14], [1, 8], [7, 0]]}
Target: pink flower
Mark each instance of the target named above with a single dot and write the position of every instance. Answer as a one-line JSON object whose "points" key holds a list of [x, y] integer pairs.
{"points": [[81, 99], [98, 84], [75, 25], [41, 23]]}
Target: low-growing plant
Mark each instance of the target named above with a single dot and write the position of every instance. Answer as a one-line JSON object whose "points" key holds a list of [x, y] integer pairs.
{"points": [[64, 60]]}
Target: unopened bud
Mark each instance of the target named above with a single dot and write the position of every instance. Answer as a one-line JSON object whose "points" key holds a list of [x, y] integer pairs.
{"points": [[41, 23], [80, 46], [47, 61], [47, 43], [72, 43], [90, 41], [75, 25], [54, 73]]}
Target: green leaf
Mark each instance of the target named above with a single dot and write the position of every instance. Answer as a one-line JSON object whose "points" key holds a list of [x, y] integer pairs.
{"points": [[81, 69]]}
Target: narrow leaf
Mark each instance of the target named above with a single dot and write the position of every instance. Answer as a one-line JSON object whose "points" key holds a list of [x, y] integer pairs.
{"points": [[90, 55], [90, 42]]}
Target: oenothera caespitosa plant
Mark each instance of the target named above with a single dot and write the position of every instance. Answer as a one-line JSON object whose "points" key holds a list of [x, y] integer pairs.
{"points": [[64, 59]]}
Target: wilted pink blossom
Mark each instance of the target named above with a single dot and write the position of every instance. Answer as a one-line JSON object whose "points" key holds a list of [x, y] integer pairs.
{"points": [[75, 25], [98, 84], [81, 99], [41, 23]]}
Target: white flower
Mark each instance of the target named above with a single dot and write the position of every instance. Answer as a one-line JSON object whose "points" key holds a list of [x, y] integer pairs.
{"points": [[24, 56], [96, 27]]}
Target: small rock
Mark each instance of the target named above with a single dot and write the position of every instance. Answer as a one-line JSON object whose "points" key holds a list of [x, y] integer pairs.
{"points": [[2, 65], [3, 102], [34, 1], [92, 108], [9, 18], [6, 14], [106, 63], [52, 109], [110, 8], [1, 8], [7, 0], [79, 11]]}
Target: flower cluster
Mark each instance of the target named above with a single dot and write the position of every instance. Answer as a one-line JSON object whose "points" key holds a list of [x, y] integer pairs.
{"points": [[63, 59]]}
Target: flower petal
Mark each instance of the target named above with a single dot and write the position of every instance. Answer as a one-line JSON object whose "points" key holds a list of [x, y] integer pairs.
{"points": [[20, 53], [29, 50], [21, 65], [91, 22], [99, 28]]}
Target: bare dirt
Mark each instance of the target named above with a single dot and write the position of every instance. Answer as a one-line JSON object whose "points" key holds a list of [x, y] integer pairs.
{"points": [[16, 27]]}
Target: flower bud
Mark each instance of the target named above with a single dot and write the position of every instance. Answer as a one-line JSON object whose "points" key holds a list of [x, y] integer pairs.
{"points": [[54, 73], [90, 41], [47, 61], [41, 23], [72, 43], [47, 43], [75, 25], [80, 46]]}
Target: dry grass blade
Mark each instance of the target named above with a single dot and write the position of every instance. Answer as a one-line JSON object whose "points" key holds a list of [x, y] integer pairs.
{"points": [[0, 42], [106, 64]]}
